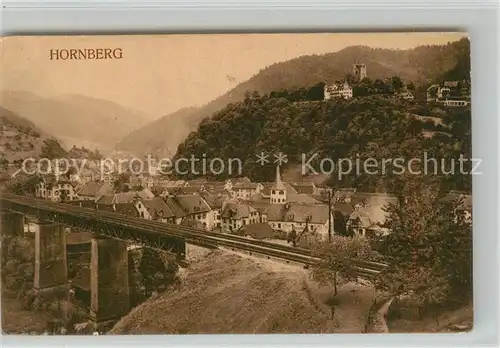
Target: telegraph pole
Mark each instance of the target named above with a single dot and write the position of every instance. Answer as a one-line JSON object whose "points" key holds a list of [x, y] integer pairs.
{"points": [[329, 215]]}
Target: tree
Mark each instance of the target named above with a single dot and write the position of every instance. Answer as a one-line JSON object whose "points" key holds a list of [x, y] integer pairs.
{"points": [[397, 83], [379, 86], [350, 78], [429, 248], [158, 270], [4, 163], [339, 223], [120, 184], [24, 185], [51, 149], [338, 259], [316, 92]]}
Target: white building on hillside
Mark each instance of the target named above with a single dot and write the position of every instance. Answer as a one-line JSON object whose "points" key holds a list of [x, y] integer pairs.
{"points": [[338, 91]]}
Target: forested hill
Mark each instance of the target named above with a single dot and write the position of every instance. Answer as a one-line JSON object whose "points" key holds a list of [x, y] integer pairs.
{"points": [[373, 126], [421, 65], [19, 138]]}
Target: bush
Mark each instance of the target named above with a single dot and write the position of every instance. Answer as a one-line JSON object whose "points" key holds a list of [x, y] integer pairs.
{"points": [[17, 266]]}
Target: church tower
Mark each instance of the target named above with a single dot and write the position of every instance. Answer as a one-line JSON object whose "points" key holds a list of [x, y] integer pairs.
{"points": [[278, 191]]}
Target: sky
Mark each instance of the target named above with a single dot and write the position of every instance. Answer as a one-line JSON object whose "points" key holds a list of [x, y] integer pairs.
{"points": [[159, 74]]}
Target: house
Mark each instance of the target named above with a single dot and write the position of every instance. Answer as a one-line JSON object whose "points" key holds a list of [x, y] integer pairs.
{"points": [[450, 93], [167, 191], [125, 209], [172, 183], [302, 198], [145, 194], [186, 190], [176, 209], [406, 95], [308, 188], [154, 209], [463, 201], [452, 103], [236, 213], [215, 202], [338, 91], [344, 195], [192, 208], [55, 190], [245, 190], [120, 206], [219, 192], [197, 182], [92, 190], [361, 199], [299, 216], [190, 190], [114, 201], [369, 214], [243, 179], [256, 231], [262, 206], [158, 190], [109, 178], [87, 175], [87, 203], [218, 185]]}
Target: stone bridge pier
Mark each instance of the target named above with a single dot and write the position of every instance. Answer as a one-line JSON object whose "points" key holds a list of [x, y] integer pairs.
{"points": [[51, 269], [109, 283]]}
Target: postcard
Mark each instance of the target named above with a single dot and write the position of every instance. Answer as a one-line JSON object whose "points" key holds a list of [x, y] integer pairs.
{"points": [[236, 183]]}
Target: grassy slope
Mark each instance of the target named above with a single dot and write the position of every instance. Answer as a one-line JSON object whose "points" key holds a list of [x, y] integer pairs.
{"points": [[12, 119], [234, 294]]}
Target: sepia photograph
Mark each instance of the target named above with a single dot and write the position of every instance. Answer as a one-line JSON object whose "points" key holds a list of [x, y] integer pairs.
{"points": [[236, 183]]}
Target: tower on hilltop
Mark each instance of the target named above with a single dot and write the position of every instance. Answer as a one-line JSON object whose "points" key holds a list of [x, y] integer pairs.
{"points": [[359, 71]]}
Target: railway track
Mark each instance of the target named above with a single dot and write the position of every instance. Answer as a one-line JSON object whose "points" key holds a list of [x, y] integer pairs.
{"points": [[365, 268]]}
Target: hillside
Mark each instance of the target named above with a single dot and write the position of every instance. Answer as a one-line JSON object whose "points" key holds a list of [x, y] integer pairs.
{"points": [[19, 138], [76, 120], [421, 65], [376, 127], [227, 293], [158, 136]]}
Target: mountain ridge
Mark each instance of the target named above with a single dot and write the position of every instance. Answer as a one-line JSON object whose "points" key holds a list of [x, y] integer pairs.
{"points": [[76, 119]]}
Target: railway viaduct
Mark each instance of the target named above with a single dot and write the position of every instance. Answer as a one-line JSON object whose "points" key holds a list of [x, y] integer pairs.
{"points": [[109, 288], [111, 232]]}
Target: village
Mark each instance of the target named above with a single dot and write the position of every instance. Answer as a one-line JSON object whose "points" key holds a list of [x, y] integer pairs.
{"points": [[261, 210]]}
